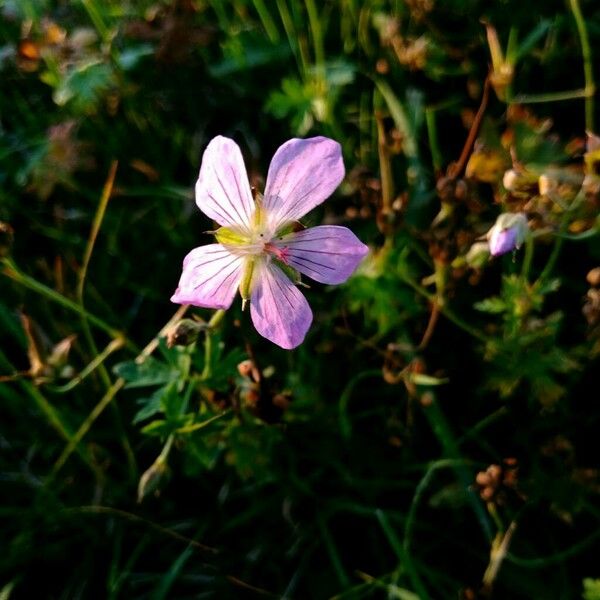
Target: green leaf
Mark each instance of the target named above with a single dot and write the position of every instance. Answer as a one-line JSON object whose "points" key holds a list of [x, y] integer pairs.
{"points": [[150, 406], [84, 85], [131, 57], [150, 372], [493, 305], [401, 593], [158, 427], [422, 379], [591, 589]]}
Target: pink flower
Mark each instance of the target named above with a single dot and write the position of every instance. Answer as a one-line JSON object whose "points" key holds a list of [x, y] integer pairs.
{"points": [[260, 249]]}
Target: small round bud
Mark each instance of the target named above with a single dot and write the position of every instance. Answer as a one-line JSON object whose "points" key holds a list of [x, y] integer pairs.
{"points": [[245, 368], [508, 233], [184, 333], [593, 277], [482, 478], [487, 493], [152, 479], [494, 471]]}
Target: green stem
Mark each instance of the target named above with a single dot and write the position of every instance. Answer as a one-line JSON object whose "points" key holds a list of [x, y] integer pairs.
{"points": [[97, 223], [164, 453], [292, 35], [96, 18], [443, 463], [110, 395], [11, 270], [87, 332], [442, 431], [554, 559], [445, 310], [549, 97], [113, 346], [528, 258], [590, 86], [336, 561], [558, 242], [345, 423], [402, 555], [85, 427], [436, 153], [212, 324], [197, 426], [267, 21], [317, 35]]}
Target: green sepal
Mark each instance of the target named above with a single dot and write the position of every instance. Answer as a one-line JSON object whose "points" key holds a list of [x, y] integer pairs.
{"points": [[289, 272], [292, 227], [228, 236], [246, 282]]}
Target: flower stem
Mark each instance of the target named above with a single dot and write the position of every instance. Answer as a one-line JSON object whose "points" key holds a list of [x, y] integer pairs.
{"points": [[445, 310], [109, 396], [99, 216], [113, 346], [590, 86], [12, 271], [528, 258], [212, 324]]}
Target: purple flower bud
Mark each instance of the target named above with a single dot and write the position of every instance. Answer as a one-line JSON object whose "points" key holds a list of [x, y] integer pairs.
{"points": [[508, 233], [502, 241]]}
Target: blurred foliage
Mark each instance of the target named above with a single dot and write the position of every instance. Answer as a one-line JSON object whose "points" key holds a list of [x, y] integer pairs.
{"points": [[436, 434]]}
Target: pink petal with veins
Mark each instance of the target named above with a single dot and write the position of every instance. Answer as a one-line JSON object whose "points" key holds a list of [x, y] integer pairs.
{"points": [[328, 253], [210, 278], [222, 190], [302, 174], [278, 310]]}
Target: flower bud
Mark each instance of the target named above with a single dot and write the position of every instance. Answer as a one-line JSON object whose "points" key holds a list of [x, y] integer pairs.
{"points": [[152, 479], [184, 333], [478, 255], [508, 233], [518, 180]]}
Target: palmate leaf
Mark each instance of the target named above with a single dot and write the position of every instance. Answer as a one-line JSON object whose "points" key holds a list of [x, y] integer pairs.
{"points": [[84, 85], [150, 372], [150, 406]]}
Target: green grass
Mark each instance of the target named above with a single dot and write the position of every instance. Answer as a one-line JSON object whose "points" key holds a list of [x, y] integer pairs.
{"points": [[356, 467]]}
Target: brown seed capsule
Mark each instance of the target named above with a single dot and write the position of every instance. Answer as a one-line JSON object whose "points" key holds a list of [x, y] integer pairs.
{"points": [[482, 478], [245, 368], [281, 401], [494, 471], [382, 66], [593, 277], [487, 493]]}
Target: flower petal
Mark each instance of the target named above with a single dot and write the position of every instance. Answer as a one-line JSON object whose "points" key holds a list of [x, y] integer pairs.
{"points": [[222, 190], [211, 276], [328, 253], [503, 241], [278, 310], [302, 174]]}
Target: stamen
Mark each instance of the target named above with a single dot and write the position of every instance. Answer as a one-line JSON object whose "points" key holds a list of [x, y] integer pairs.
{"points": [[281, 254]]}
